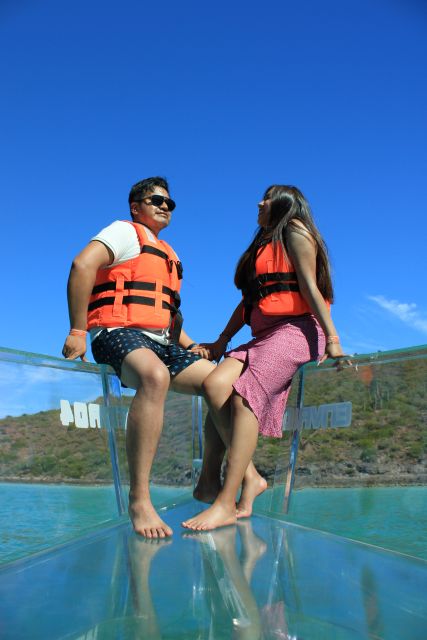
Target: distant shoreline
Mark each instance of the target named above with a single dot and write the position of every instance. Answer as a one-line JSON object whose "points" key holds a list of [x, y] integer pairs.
{"points": [[82, 483], [365, 482]]}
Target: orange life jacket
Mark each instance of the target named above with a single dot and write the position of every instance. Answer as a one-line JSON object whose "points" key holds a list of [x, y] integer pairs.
{"points": [[142, 292], [275, 288]]}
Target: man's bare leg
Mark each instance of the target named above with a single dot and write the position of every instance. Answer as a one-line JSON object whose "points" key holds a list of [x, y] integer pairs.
{"points": [[143, 370], [190, 381], [141, 555]]}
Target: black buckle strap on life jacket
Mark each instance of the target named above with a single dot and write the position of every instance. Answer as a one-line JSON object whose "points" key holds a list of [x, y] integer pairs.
{"points": [[180, 269], [268, 289], [176, 326], [252, 296], [138, 286], [276, 276], [161, 254], [178, 266], [103, 302], [154, 252], [257, 289]]}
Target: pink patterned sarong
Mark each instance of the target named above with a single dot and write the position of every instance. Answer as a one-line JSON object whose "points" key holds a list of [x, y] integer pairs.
{"points": [[280, 346]]}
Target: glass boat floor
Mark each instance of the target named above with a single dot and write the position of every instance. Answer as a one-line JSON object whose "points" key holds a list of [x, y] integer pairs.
{"points": [[263, 578]]}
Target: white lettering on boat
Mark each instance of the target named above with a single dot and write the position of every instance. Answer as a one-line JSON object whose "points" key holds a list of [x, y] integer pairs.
{"points": [[323, 416]]}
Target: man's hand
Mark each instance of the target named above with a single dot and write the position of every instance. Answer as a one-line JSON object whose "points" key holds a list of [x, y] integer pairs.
{"points": [[200, 350], [75, 347]]}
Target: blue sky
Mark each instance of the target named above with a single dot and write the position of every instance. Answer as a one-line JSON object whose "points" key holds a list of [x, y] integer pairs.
{"points": [[223, 99]]}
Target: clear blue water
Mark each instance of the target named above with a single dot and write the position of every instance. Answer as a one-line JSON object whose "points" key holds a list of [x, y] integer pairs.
{"points": [[37, 516], [34, 517], [261, 580], [391, 517]]}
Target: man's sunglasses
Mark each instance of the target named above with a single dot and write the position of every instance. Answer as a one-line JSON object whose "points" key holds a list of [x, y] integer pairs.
{"points": [[157, 201]]}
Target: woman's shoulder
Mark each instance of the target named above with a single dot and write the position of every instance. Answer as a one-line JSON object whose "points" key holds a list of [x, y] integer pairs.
{"points": [[296, 226]]}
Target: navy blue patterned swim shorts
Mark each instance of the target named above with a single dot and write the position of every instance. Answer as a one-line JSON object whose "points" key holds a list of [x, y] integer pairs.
{"points": [[111, 347]]}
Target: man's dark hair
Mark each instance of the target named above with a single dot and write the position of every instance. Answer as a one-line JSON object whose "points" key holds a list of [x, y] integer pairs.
{"points": [[144, 187]]}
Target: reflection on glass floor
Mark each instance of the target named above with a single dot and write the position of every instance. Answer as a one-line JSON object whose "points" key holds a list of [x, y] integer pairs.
{"points": [[260, 579]]}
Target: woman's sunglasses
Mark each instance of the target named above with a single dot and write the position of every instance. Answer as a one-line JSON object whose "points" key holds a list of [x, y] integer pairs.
{"points": [[157, 201]]}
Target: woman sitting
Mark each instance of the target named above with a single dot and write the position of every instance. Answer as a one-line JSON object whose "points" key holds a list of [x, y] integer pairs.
{"points": [[284, 276]]}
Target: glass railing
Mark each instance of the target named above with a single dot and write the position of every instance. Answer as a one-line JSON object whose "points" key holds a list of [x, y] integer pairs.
{"points": [[358, 464], [63, 467], [352, 460]]}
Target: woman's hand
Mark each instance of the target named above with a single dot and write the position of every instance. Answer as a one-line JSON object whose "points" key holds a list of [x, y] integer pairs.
{"points": [[334, 351], [216, 349]]}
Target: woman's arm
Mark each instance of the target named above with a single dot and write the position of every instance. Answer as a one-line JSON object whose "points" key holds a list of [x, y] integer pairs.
{"points": [[302, 251], [233, 326]]}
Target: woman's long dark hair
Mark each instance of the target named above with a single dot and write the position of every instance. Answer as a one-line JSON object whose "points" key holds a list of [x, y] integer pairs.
{"points": [[287, 204]]}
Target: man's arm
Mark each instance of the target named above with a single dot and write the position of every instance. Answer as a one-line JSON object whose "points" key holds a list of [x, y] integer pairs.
{"points": [[80, 284], [185, 341]]}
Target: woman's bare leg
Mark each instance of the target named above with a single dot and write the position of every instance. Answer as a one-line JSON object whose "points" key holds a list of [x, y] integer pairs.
{"points": [[218, 389], [243, 444]]}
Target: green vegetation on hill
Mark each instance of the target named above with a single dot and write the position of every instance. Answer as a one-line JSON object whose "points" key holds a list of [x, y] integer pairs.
{"points": [[387, 440], [385, 444]]}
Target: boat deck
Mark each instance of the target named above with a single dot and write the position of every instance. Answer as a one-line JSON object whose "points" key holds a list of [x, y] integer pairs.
{"points": [[263, 578]]}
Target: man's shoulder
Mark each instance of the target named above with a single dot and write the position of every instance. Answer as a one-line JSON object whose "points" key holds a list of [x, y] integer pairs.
{"points": [[120, 224], [119, 236], [117, 228]]}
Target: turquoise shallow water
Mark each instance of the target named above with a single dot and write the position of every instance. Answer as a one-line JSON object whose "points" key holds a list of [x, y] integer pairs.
{"points": [[34, 517], [37, 516], [261, 580], [390, 517]]}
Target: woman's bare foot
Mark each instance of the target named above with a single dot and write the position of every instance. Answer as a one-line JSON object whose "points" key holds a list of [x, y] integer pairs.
{"points": [[146, 520], [216, 516], [253, 548], [251, 488]]}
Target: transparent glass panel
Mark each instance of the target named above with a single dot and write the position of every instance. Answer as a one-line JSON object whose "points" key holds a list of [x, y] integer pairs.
{"points": [[171, 475], [56, 475], [260, 580], [273, 461], [362, 460]]}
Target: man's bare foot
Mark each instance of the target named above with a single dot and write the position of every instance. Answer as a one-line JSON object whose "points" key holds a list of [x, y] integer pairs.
{"points": [[144, 549], [250, 490], [146, 520], [216, 516], [207, 491]]}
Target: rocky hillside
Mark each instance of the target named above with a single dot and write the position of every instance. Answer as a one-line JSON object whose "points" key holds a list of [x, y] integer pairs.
{"points": [[386, 443]]}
